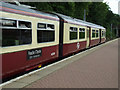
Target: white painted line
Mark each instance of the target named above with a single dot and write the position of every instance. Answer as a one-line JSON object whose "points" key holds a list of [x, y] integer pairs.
{"points": [[20, 77]]}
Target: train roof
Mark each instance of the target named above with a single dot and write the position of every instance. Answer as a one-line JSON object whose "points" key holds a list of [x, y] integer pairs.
{"points": [[79, 22], [89, 24], [8, 6]]}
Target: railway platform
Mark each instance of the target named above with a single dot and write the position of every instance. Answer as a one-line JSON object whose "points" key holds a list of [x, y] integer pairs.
{"points": [[93, 68]]}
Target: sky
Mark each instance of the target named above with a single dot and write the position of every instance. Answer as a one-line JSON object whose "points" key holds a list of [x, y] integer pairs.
{"points": [[113, 4]]}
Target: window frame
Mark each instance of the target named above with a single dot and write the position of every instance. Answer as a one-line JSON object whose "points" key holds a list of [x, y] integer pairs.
{"points": [[94, 33], [47, 29], [8, 27], [17, 27], [46, 26], [16, 22], [103, 33], [24, 21], [81, 31], [73, 31], [97, 32]]}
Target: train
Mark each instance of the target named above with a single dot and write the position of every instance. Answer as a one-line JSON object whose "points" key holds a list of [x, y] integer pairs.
{"points": [[32, 38]]}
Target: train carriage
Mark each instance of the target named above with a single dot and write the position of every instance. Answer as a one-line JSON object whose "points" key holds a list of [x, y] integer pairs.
{"points": [[31, 38], [74, 35], [96, 34]]}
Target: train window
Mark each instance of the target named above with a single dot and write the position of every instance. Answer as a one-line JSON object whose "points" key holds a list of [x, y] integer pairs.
{"points": [[50, 26], [46, 35], [103, 33], [8, 23], [16, 36], [81, 33], [24, 24], [41, 25], [97, 35], [93, 33], [73, 33]]}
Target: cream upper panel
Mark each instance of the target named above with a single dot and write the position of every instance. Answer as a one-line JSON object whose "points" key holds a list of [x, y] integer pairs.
{"points": [[66, 38], [34, 21]]}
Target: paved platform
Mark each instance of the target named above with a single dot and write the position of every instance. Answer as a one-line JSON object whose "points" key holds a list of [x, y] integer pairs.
{"points": [[95, 68]]}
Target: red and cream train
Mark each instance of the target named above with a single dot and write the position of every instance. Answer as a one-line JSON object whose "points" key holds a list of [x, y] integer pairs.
{"points": [[31, 38]]}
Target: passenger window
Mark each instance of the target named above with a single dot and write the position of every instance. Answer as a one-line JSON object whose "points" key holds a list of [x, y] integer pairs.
{"points": [[97, 35], [93, 33], [16, 36], [73, 33], [81, 33], [41, 25], [45, 33], [24, 24], [103, 33], [8, 23], [50, 26]]}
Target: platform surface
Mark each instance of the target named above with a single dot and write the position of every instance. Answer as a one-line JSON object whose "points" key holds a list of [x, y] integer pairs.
{"points": [[96, 69]]}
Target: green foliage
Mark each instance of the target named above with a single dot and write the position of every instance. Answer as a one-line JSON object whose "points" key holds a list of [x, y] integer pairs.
{"points": [[97, 13], [66, 8], [79, 9]]}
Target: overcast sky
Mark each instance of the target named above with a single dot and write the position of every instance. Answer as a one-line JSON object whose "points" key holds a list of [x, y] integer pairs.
{"points": [[113, 4]]}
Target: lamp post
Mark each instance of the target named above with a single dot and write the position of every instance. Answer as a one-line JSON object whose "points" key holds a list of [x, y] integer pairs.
{"points": [[84, 15], [116, 31]]}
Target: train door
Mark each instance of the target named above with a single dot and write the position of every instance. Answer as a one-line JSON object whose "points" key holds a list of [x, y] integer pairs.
{"points": [[100, 35], [61, 33], [88, 37]]}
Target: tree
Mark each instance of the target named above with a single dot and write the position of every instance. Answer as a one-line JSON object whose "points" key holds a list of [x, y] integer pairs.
{"points": [[79, 9], [97, 12]]}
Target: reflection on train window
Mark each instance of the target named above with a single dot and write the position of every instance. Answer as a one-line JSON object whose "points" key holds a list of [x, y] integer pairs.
{"points": [[13, 37], [16, 36], [50, 26], [8, 23], [41, 25], [97, 35], [24, 24], [47, 34], [73, 33], [93, 33], [81, 33]]}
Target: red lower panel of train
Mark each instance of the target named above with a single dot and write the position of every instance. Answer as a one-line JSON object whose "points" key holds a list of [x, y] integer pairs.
{"points": [[73, 47], [16, 62], [94, 42]]}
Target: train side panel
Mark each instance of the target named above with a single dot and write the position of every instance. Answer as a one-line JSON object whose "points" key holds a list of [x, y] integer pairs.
{"points": [[75, 45], [95, 36], [22, 57]]}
